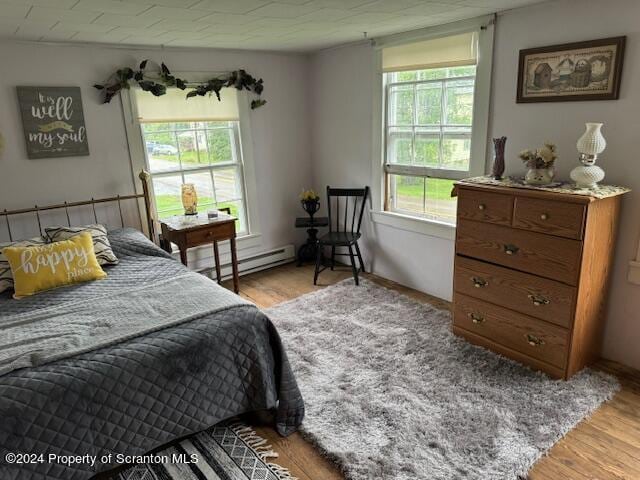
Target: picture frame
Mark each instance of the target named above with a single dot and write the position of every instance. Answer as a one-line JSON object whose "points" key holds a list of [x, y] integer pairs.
{"points": [[578, 71], [53, 121]]}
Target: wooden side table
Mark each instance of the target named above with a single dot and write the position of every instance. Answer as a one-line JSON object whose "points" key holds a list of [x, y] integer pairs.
{"points": [[188, 231]]}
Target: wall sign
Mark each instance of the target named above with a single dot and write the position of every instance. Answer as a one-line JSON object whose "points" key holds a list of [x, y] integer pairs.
{"points": [[53, 121], [574, 71]]}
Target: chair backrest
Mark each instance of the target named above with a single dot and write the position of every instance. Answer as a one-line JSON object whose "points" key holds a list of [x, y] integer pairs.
{"points": [[346, 207]]}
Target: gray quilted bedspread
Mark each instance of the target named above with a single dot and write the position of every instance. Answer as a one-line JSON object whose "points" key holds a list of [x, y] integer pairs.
{"points": [[132, 395]]}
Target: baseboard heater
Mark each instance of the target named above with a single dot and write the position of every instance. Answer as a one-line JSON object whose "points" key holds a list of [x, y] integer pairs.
{"points": [[255, 263]]}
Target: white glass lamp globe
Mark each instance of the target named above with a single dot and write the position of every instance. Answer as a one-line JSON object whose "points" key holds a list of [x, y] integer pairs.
{"points": [[590, 145], [592, 142]]}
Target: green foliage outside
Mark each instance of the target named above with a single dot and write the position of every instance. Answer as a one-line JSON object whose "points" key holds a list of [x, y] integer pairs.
{"points": [[424, 125], [197, 142], [437, 188], [188, 158], [455, 151], [428, 103], [434, 73]]}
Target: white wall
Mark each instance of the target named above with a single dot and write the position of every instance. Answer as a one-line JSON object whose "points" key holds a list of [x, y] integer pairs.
{"points": [[341, 156], [280, 129], [342, 143]]}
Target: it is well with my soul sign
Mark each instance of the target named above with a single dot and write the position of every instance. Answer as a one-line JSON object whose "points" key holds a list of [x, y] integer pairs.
{"points": [[53, 121]]}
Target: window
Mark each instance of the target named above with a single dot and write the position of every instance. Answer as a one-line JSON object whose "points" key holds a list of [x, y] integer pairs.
{"points": [[433, 134], [428, 138], [193, 141]]}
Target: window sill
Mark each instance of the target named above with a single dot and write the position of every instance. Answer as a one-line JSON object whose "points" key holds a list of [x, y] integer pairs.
{"points": [[432, 228], [634, 272]]}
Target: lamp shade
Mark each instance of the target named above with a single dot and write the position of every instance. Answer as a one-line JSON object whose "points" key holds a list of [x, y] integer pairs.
{"points": [[592, 142]]}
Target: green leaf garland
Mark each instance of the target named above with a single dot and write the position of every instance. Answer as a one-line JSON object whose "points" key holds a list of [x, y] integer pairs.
{"points": [[157, 82]]}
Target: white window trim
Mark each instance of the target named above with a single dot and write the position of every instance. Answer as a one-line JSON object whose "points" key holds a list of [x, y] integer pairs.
{"points": [[409, 223], [634, 269], [481, 104], [137, 159]]}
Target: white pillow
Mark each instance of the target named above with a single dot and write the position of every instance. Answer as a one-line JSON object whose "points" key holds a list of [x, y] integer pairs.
{"points": [[101, 244], [6, 278]]}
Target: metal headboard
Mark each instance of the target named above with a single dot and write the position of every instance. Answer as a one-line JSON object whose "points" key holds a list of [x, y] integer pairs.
{"points": [[145, 195]]}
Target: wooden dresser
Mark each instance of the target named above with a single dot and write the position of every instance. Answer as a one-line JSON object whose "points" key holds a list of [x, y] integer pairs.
{"points": [[531, 273]]}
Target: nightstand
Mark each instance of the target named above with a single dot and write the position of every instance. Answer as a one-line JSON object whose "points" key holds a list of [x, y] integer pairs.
{"points": [[188, 231]]}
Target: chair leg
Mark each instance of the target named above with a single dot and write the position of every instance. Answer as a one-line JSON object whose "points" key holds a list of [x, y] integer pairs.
{"points": [[353, 266], [333, 256], [360, 258], [318, 261]]}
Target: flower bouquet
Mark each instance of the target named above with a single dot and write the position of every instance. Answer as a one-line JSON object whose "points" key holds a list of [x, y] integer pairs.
{"points": [[540, 164], [310, 202]]}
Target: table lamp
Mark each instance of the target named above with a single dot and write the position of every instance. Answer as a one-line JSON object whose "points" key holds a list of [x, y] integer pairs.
{"points": [[590, 145]]}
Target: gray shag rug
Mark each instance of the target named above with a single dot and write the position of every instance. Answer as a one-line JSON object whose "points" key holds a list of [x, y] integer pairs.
{"points": [[391, 393]]}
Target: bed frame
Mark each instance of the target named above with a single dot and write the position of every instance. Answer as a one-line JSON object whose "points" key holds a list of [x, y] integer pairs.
{"points": [[144, 177]]}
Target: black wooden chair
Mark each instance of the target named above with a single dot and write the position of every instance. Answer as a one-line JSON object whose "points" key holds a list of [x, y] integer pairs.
{"points": [[344, 231]]}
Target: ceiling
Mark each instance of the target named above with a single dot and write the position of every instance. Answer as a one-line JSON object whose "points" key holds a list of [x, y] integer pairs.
{"points": [[290, 25]]}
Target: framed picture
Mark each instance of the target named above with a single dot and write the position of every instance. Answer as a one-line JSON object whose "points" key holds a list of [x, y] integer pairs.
{"points": [[588, 70], [53, 121]]}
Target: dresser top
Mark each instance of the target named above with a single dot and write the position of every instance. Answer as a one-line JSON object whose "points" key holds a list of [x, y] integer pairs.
{"points": [[562, 188]]}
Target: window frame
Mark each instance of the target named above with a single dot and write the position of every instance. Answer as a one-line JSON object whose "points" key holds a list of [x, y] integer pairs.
{"points": [[402, 169], [237, 163], [137, 157], [484, 26]]}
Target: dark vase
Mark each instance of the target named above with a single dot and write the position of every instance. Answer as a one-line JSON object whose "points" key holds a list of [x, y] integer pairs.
{"points": [[498, 159], [311, 207]]}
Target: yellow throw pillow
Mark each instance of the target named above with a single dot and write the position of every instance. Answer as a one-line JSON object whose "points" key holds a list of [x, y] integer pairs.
{"points": [[39, 268]]}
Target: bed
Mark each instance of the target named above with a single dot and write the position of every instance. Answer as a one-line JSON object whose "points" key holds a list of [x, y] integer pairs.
{"points": [[123, 365]]}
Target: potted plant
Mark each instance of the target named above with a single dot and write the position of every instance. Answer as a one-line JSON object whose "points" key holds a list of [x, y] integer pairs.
{"points": [[310, 202], [540, 164]]}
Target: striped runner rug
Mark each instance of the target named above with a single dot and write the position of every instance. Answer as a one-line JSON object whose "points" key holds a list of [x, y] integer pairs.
{"points": [[224, 452]]}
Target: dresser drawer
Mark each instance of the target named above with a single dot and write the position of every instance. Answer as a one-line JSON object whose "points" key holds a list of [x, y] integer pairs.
{"points": [[539, 297], [549, 216], [551, 257], [207, 235], [485, 207], [516, 331]]}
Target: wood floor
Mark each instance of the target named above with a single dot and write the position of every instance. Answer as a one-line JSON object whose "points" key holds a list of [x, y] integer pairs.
{"points": [[602, 447]]}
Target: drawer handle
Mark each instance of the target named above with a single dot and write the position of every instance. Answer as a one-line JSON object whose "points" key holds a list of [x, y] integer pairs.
{"points": [[544, 216], [534, 341], [475, 318], [538, 300], [479, 282], [510, 249], [482, 206]]}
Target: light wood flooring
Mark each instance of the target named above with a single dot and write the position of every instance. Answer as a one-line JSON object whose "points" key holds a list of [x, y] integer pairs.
{"points": [[602, 447]]}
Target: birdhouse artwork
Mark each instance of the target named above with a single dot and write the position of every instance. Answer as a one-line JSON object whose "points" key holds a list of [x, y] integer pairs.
{"points": [[542, 76], [578, 71]]}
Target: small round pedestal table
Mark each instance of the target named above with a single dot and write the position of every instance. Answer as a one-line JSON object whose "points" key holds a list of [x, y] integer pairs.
{"points": [[308, 251]]}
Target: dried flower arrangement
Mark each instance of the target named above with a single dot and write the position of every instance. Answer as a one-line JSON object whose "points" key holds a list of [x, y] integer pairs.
{"points": [[543, 157], [310, 201], [309, 196]]}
